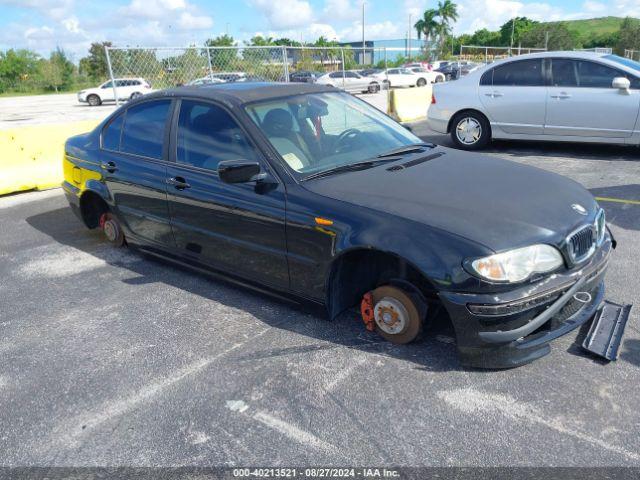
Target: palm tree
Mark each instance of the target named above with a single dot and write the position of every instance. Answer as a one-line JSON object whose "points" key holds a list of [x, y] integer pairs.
{"points": [[427, 26], [447, 12]]}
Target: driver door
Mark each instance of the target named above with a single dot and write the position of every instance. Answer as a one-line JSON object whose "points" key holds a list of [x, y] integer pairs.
{"points": [[237, 228]]}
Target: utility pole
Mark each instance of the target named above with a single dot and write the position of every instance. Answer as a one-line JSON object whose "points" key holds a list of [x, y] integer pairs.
{"points": [[409, 39], [513, 30], [363, 44], [546, 40]]}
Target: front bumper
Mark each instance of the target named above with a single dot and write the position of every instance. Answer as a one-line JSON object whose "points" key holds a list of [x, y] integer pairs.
{"points": [[504, 341]]}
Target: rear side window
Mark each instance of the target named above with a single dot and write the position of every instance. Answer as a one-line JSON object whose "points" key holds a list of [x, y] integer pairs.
{"points": [[523, 73], [207, 134], [487, 78], [143, 132], [111, 134], [564, 73]]}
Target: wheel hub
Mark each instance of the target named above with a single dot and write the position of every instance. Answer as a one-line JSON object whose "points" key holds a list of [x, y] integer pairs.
{"points": [[390, 315], [111, 230], [468, 131]]}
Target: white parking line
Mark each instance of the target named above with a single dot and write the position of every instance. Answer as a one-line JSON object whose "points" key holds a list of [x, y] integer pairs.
{"points": [[472, 401]]}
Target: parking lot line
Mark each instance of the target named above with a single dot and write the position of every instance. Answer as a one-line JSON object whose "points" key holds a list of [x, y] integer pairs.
{"points": [[618, 200]]}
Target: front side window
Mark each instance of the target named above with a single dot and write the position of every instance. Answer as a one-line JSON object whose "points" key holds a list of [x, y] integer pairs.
{"points": [[317, 132], [106, 85], [522, 73], [207, 134], [596, 75], [144, 127]]}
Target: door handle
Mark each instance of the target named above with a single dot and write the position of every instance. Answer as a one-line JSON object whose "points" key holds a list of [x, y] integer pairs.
{"points": [[179, 183], [109, 167], [561, 96], [494, 94]]}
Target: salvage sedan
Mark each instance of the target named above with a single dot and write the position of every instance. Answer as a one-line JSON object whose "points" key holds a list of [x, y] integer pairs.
{"points": [[306, 191]]}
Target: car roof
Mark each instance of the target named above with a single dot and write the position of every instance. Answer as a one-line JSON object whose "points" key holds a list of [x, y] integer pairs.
{"points": [[562, 54], [239, 93]]}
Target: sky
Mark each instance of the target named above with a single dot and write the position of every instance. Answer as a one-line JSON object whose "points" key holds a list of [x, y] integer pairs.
{"points": [[42, 25]]}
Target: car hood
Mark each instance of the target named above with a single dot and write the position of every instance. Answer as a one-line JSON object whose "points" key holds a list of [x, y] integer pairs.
{"points": [[497, 203]]}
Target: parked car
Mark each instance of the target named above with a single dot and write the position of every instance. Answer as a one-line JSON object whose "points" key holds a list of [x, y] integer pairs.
{"points": [[127, 88], [304, 76], [350, 81], [309, 192], [556, 96], [455, 70], [230, 76], [205, 81], [367, 72], [402, 77], [432, 77]]}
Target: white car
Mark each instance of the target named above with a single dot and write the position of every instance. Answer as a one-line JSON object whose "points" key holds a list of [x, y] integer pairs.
{"points": [[402, 77], [127, 89], [350, 81], [554, 96], [205, 81], [432, 77]]}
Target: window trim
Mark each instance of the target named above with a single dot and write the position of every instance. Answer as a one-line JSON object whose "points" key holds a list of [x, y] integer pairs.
{"points": [[173, 138], [545, 79], [125, 112]]}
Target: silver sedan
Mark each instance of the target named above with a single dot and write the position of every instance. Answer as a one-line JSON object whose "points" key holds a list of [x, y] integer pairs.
{"points": [[553, 96]]}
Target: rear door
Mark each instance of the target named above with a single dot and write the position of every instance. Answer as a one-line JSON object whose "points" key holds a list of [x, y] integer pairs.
{"points": [[514, 95], [582, 101], [237, 228], [133, 162]]}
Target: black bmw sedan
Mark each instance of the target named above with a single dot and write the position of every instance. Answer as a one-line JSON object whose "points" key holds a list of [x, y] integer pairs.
{"points": [[307, 191]]}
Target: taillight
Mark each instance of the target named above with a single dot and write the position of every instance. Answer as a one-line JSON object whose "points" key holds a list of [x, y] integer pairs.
{"points": [[433, 99]]}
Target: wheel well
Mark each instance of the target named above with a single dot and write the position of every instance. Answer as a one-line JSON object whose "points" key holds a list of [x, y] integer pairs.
{"points": [[468, 110], [359, 271], [92, 206]]}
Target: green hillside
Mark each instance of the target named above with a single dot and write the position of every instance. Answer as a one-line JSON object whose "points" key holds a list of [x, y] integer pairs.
{"points": [[596, 31]]}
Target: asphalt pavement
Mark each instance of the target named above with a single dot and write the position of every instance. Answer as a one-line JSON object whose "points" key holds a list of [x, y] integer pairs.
{"points": [[110, 358]]}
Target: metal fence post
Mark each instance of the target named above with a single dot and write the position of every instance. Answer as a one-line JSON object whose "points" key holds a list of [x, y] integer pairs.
{"points": [[113, 80], [209, 60], [285, 64], [343, 66]]}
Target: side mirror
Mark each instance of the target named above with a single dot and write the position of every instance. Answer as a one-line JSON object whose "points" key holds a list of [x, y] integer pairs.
{"points": [[238, 171], [621, 83]]}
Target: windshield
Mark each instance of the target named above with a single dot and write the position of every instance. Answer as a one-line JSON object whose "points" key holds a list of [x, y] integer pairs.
{"points": [[322, 131], [627, 62]]}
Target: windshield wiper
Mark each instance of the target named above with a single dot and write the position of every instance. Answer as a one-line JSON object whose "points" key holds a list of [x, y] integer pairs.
{"points": [[414, 147], [351, 167]]}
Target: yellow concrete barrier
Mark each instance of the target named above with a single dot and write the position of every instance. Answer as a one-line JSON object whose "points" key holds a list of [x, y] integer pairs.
{"points": [[31, 157], [410, 104]]}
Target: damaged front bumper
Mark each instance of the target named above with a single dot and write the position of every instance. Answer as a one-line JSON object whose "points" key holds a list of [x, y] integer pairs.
{"points": [[514, 328]]}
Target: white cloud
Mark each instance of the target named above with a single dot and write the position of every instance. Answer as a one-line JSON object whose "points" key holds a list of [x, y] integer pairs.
{"points": [[72, 25], [373, 31], [340, 10], [285, 14], [189, 21], [54, 9]]}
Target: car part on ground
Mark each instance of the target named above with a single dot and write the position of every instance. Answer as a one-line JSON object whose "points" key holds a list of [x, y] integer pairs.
{"points": [[606, 331]]}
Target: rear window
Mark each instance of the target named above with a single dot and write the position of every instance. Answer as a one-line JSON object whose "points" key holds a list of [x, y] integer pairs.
{"points": [[111, 134], [523, 73], [143, 132]]}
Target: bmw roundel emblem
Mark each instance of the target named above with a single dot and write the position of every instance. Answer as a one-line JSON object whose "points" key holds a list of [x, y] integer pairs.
{"points": [[579, 208]]}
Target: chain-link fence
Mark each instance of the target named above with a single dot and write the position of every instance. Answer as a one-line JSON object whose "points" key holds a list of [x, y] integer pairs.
{"points": [[632, 54], [485, 54], [358, 70]]}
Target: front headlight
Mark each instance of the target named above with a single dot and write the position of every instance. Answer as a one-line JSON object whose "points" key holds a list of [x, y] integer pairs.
{"points": [[519, 264]]}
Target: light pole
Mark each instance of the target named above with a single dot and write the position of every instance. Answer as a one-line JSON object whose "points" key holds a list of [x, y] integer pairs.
{"points": [[409, 39], [364, 46]]}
